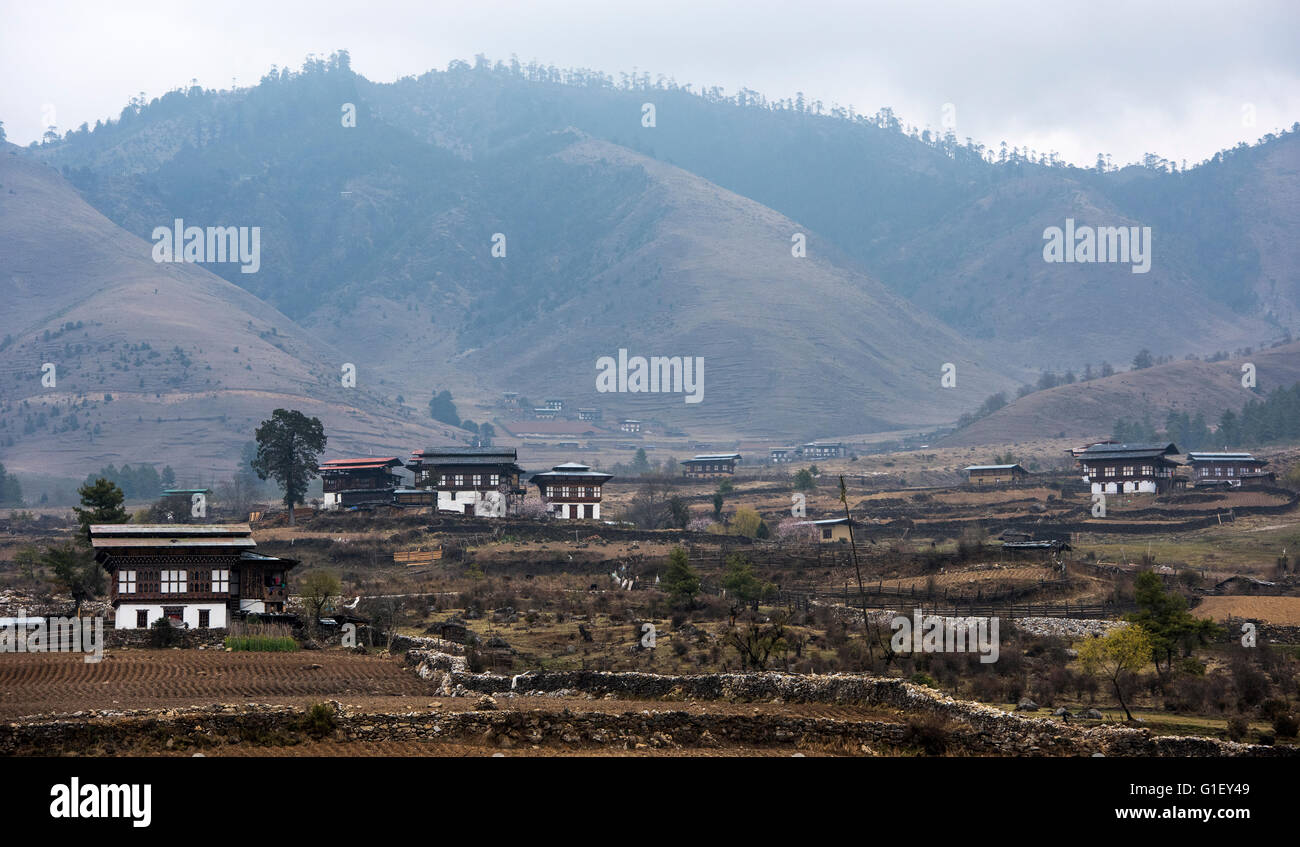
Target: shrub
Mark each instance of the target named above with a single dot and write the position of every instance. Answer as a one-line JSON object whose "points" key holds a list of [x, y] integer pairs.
{"points": [[1238, 728], [318, 721], [930, 734], [1286, 726], [1272, 708], [163, 634]]}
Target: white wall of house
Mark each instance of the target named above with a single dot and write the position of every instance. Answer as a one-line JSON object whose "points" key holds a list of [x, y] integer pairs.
{"points": [[488, 504], [561, 509], [1142, 486], [126, 614], [332, 500]]}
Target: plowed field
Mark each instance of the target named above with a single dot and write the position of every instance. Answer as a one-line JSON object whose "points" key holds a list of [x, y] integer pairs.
{"points": [[149, 679]]}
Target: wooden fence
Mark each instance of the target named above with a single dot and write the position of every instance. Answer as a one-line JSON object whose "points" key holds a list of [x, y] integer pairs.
{"points": [[417, 557]]}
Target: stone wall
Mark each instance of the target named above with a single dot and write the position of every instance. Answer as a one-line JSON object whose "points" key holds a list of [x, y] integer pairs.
{"points": [[970, 728], [107, 732], [991, 730], [187, 638]]}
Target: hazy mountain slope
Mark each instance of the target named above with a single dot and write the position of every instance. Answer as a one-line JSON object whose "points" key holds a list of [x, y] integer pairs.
{"points": [[1089, 410], [171, 363], [959, 236], [380, 242], [1061, 315], [378, 238], [791, 345]]}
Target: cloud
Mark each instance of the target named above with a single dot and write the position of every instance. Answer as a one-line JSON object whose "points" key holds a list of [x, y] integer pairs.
{"points": [[1112, 76]]}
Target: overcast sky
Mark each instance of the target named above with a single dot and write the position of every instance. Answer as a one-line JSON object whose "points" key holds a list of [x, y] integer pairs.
{"points": [[1181, 79]]}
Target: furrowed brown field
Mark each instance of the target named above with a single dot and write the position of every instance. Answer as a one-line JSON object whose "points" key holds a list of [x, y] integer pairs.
{"points": [[149, 679]]}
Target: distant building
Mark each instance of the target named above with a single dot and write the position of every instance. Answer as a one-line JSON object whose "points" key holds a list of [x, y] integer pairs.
{"points": [[546, 413], [780, 455], [353, 482], [554, 404], [1129, 468], [589, 414], [831, 530], [1227, 469], [823, 450], [480, 481], [996, 474], [572, 490], [195, 575], [711, 465], [629, 425]]}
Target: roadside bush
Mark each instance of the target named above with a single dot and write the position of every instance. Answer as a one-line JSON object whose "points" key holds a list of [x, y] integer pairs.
{"points": [[1238, 728], [1286, 726]]}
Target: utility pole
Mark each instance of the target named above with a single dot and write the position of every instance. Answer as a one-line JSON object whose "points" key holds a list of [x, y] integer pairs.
{"points": [[862, 594]]}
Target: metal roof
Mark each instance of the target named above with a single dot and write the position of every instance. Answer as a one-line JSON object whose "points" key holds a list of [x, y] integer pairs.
{"points": [[138, 529], [1117, 451], [572, 469], [250, 556], [462, 461], [1224, 457], [163, 541], [992, 467], [171, 535], [466, 451], [713, 457], [360, 464]]}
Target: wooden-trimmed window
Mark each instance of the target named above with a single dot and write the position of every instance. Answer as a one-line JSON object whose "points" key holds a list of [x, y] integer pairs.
{"points": [[221, 581], [173, 582], [126, 582]]}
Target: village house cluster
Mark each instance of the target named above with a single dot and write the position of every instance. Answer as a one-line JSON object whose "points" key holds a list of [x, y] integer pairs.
{"points": [[481, 481], [1110, 467], [811, 450]]}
